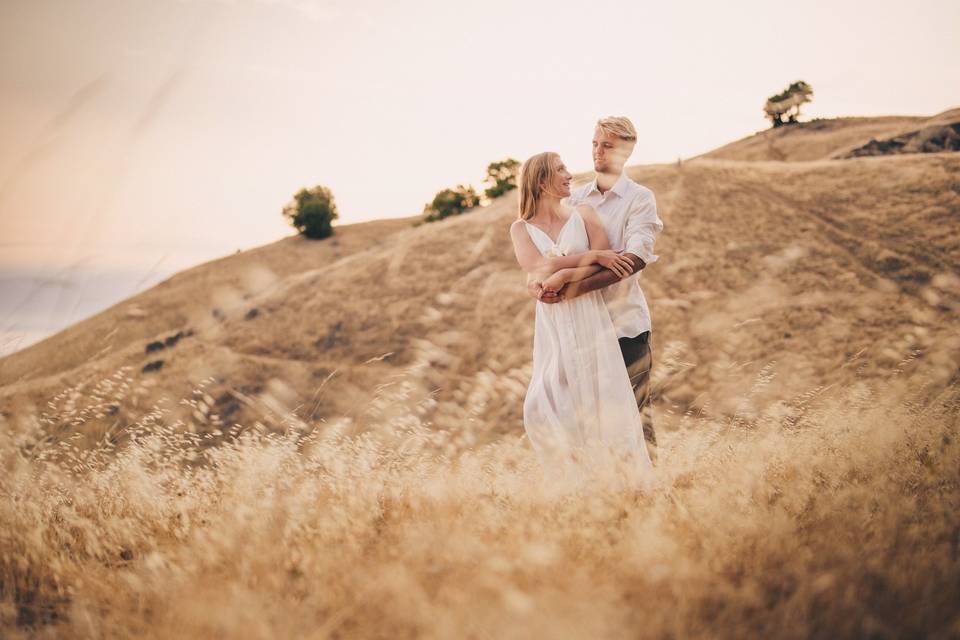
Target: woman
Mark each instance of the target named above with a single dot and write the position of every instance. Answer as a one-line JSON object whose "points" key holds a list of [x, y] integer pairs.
{"points": [[579, 407]]}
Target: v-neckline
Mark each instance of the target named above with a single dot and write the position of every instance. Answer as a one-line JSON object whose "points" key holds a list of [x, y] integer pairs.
{"points": [[560, 233]]}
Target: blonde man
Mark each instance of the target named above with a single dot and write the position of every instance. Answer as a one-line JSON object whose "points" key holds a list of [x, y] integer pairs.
{"points": [[629, 214]]}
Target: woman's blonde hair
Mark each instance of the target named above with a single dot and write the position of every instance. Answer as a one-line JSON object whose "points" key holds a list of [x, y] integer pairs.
{"points": [[536, 176], [619, 126]]}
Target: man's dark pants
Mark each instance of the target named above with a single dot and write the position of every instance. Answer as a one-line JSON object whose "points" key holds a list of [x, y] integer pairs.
{"points": [[639, 360]]}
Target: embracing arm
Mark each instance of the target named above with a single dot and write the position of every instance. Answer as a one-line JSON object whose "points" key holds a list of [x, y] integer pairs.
{"points": [[600, 279], [539, 266], [558, 280], [641, 231], [580, 273], [550, 265], [620, 267]]}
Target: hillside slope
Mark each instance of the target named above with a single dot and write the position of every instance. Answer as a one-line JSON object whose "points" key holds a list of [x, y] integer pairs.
{"points": [[824, 138], [776, 280], [175, 302]]}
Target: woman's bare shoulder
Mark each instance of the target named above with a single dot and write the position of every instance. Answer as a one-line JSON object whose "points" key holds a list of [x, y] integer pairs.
{"points": [[588, 212], [516, 227]]}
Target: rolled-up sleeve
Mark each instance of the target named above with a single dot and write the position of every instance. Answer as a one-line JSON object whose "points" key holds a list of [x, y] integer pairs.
{"points": [[642, 227]]}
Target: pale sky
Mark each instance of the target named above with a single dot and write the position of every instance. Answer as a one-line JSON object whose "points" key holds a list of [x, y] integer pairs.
{"points": [[146, 136]]}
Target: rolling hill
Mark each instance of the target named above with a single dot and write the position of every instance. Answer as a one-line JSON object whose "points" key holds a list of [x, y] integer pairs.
{"points": [[784, 271], [825, 138]]}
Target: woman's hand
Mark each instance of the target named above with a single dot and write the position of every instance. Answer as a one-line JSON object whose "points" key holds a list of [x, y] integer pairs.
{"points": [[555, 282], [614, 261], [534, 289]]}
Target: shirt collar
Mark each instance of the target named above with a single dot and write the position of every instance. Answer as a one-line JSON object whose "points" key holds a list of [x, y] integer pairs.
{"points": [[619, 187]]}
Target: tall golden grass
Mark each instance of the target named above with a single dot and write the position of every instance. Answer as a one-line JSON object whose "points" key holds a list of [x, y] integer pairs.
{"points": [[835, 516]]}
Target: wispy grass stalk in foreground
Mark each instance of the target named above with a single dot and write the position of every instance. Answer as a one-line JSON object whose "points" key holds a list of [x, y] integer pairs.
{"points": [[841, 522]]}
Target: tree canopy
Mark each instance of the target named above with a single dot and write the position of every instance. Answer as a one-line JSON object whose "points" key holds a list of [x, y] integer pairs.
{"points": [[312, 212], [451, 202], [784, 107], [502, 177]]}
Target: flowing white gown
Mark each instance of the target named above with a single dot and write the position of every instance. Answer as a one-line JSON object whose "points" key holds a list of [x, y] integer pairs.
{"points": [[580, 408]]}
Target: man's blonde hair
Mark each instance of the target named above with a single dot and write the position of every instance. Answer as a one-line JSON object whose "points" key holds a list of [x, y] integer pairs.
{"points": [[619, 126], [536, 176]]}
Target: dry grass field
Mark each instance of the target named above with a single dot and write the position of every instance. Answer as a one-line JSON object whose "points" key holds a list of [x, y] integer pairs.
{"points": [[324, 439]]}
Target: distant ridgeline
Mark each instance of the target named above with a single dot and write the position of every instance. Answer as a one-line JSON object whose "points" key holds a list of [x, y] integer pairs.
{"points": [[932, 139]]}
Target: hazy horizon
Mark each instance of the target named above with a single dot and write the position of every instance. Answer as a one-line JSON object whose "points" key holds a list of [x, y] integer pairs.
{"points": [[143, 137]]}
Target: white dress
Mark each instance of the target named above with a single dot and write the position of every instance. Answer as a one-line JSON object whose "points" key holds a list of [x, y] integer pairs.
{"points": [[580, 405]]}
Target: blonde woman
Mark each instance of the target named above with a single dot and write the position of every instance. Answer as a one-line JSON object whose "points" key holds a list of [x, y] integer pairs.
{"points": [[579, 405]]}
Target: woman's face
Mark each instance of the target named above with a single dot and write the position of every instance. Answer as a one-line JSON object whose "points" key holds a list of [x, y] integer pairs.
{"points": [[561, 181]]}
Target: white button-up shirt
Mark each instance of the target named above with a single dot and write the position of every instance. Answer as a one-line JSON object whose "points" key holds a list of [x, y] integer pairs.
{"points": [[629, 215]]}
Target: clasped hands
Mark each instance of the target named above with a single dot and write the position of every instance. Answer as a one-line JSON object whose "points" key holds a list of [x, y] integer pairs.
{"points": [[555, 287]]}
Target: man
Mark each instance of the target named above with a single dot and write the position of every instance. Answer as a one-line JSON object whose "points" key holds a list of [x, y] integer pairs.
{"points": [[629, 214]]}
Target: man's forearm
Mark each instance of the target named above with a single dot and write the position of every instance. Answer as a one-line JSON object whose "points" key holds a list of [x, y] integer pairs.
{"points": [[601, 279]]}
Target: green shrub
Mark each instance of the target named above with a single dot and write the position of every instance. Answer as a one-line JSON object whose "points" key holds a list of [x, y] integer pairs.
{"points": [[502, 177], [312, 212], [451, 202], [786, 104]]}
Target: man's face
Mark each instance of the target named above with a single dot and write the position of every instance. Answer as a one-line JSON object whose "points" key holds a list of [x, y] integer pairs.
{"points": [[610, 153]]}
